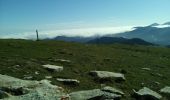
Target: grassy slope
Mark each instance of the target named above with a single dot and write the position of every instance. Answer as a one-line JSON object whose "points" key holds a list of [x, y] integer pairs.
{"points": [[31, 55]]}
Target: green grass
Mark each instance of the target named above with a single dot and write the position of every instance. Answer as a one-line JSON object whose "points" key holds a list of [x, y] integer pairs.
{"points": [[31, 55]]}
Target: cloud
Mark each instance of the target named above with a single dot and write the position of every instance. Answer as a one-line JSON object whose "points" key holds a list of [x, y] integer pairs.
{"points": [[84, 32], [162, 26]]}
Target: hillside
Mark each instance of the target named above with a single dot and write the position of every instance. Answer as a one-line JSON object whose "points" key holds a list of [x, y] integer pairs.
{"points": [[150, 33], [21, 58], [121, 40]]}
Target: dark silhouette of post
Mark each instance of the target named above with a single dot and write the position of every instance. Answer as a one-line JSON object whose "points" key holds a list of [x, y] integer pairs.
{"points": [[37, 35]]}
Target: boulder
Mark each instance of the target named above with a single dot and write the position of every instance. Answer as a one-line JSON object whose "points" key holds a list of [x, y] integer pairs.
{"points": [[17, 89], [147, 94], [112, 90], [165, 90], [53, 67], [69, 81], [107, 75], [95, 94]]}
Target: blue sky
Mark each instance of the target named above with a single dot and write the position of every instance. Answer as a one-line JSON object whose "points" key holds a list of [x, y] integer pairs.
{"points": [[55, 17]]}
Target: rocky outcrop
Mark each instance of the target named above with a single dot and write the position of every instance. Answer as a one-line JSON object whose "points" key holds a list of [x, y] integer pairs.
{"points": [[165, 90], [53, 67], [105, 75], [112, 90], [69, 81], [146, 94], [95, 94], [16, 89]]}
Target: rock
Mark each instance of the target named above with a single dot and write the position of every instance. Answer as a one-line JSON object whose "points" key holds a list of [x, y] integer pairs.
{"points": [[53, 67], [95, 94], [28, 77], [48, 77], [112, 90], [148, 69], [37, 73], [69, 81], [147, 94], [157, 83], [107, 75], [17, 89], [63, 60], [165, 90]]}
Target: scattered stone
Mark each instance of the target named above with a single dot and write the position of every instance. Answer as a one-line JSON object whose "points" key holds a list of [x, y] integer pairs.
{"points": [[157, 83], [165, 90], [53, 68], [28, 77], [112, 90], [48, 77], [63, 60], [69, 81], [37, 73], [107, 75], [157, 74], [148, 69], [17, 89], [95, 94], [147, 94]]}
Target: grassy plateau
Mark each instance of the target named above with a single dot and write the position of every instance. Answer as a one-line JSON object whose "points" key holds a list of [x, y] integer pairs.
{"points": [[25, 57]]}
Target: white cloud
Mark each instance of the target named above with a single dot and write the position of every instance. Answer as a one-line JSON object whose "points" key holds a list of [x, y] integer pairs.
{"points": [[162, 26], [85, 32]]}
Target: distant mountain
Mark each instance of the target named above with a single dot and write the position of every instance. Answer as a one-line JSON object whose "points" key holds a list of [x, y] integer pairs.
{"points": [[73, 39], [167, 23], [154, 33], [151, 34], [154, 24], [111, 40]]}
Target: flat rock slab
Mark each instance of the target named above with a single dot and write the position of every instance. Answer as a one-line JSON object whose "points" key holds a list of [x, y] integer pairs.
{"points": [[112, 90], [165, 90], [95, 94], [107, 75], [147, 94], [69, 81], [17, 89], [53, 67]]}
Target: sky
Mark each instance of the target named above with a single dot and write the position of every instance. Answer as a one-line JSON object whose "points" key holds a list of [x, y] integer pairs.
{"points": [[20, 18]]}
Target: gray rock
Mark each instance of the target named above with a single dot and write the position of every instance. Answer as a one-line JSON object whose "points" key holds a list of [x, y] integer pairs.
{"points": [[29, 90], [147, 94], [48, 77], [112, 90], [165, 90], [63, 60], [69, 81], [53, 67], [96, 94], [28, 77], [148, 69], [37, 73], [107, 75]]}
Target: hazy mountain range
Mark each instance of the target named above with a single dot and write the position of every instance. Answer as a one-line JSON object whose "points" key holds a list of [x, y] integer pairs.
{"points": [[154, 33]]}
